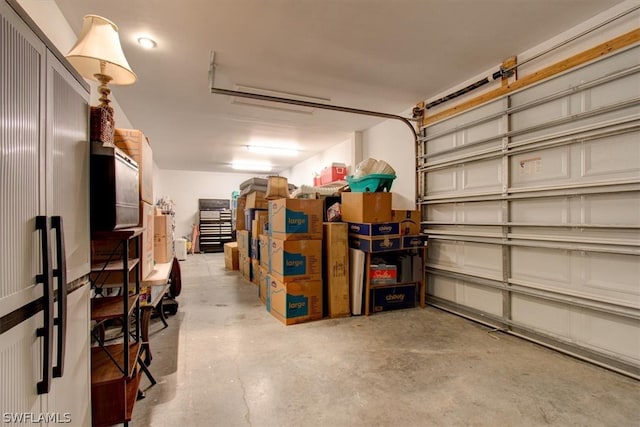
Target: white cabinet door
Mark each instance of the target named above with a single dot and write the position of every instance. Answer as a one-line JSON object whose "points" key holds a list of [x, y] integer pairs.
{"points": [[44, 172], [67, 165], [67, 196], [21, 189]]}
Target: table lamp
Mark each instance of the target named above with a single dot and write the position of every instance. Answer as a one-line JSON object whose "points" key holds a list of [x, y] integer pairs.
{"points": [[97, 55]]}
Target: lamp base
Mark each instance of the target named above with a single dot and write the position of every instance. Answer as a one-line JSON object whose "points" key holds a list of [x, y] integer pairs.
{"points": [[102, 125]]}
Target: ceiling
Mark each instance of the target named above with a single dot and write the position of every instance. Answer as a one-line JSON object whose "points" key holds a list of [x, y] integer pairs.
{"points": [[380, 55]]}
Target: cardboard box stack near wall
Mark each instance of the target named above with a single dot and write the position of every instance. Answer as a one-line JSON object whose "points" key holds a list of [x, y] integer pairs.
{"points": [[239, 213], [294, 284], [375, 228], [336, 269], [136, 145], [147, 212], [244, 247], [231, 256], [162, 240]]}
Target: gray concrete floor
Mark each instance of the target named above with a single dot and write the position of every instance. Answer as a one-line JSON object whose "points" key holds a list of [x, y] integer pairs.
{"points": [[225, 361]]}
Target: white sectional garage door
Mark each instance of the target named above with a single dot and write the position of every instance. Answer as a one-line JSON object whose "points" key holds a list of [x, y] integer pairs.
{"points": [[532, 205]]}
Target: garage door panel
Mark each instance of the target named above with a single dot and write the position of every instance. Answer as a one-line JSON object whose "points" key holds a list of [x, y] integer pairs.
{"points": [[544, 316], [442, 181], [551, 166], [481, 259], [483, 298], [550, 268], [613, 275], [608, 334], [615, 91], [617, 156], [613, 278], [618, 209], [545, 113], [442, 254], [442, 287], [620, 61], [576, 123], [484, 175], [542, 211], [463, 119], [469, 212], [477, 259], [564, 264]]}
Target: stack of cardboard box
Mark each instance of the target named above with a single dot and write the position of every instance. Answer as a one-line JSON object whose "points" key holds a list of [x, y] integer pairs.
{"points": [[376, 229], [251, 219], [294, 278]]}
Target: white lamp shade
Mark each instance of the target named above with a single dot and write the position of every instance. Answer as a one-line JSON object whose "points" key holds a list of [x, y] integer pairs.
{"points": [[99, 42]]}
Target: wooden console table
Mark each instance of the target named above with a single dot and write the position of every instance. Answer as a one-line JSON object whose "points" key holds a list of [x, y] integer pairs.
{"points": [[158, 282]]}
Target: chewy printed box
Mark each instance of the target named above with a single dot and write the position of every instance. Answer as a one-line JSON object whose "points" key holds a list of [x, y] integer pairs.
{"points": [[293, 260], [295, 302], [295, 219]]}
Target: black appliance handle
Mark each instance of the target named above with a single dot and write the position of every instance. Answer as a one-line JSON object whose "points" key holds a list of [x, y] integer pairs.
{"points": [[60, 273], [46, 278]]}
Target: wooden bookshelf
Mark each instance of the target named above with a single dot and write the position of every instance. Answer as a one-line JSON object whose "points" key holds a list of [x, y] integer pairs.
{"points": [[110, 307]]}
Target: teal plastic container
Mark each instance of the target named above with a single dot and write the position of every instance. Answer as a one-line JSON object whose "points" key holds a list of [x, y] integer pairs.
{"points": [[371, 183]]}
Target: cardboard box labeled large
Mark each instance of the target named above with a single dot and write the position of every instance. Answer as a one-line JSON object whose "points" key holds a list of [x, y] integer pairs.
{"points": [[136, 145], [163, 239], [336, 269], [255, 270], [293, 260], [231, 256], [245, 267], [263, 284], [366, 207], [409, 221], [295, 219], [295, 302], [265, 251]]}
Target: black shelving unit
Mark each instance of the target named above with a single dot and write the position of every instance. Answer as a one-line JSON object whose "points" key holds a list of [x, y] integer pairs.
{"points": [[215, 224]]}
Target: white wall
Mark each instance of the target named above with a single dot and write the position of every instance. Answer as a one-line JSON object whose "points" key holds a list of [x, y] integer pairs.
{"points": [[345, 152], [53, 24], [186, 187], [393, 142]]}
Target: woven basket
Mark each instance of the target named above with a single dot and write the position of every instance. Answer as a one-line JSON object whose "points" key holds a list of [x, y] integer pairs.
{"points": [[102, 125]]}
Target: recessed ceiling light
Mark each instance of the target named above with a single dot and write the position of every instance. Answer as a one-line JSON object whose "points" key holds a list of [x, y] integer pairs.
{"points": [[147, 43]]}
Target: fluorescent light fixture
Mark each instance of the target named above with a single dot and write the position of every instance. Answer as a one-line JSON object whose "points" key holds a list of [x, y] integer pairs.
{"points": [[252, 166], [275, 151], [147, 43]]}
